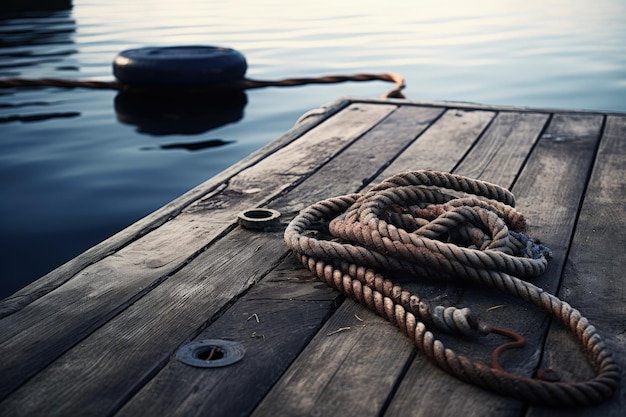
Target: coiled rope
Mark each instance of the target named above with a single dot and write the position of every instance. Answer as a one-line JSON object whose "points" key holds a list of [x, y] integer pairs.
{"points": [[243, 84], [413, 223]]}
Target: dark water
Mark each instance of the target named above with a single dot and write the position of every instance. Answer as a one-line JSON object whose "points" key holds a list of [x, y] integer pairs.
{"points": [[75, 167]]}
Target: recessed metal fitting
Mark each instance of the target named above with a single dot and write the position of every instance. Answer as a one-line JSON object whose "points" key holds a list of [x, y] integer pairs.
{"points": [[258, 218], [210, 353]]}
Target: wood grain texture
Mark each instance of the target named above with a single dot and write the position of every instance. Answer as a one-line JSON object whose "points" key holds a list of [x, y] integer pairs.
{"points": [[593, 280], [273, 322], [466, 105], [548, 191], [443, 144], [98, 373], [363, 160], [508, 141], [341, 371], [66, 315]]}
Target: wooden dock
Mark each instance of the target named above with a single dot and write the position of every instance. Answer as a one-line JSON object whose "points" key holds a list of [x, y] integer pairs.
{"points": [[99, 335]]}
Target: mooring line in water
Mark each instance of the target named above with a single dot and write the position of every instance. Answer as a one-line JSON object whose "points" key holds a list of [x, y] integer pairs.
{"points": [[243, 84]]}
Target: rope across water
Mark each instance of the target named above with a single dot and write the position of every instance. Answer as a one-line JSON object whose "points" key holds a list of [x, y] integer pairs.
{"points": [[243, 84], [414, 223]]}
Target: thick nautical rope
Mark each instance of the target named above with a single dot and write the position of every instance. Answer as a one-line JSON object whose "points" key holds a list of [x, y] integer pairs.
{"points": [[415, 223]]}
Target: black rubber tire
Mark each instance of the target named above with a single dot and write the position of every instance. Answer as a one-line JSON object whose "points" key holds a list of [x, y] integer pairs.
{"points": [[179, 66]]}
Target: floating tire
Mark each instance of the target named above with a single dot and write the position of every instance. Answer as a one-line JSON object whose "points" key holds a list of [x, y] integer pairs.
{"points": [[179, 66]]}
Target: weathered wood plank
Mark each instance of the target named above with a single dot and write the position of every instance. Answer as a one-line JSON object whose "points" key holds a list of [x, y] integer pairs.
{"points": [[521, 131], [549, 190], [466, 105], [365, 159], [593, 280], [104, 369], [65, 316], [355, 340], [63, 273], [327, 378], [289, 306], [444, 144], [256, 375]]}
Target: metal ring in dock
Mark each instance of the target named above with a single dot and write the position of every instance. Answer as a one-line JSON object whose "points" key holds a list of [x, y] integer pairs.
{"points": [[258, 218], [210, 353]]}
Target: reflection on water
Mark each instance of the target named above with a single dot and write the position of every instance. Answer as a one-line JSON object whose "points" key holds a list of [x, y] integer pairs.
{"points": [[34, 5], [78, 171], [36, 117], [197, 146], [35, 39], [189, 114]]}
